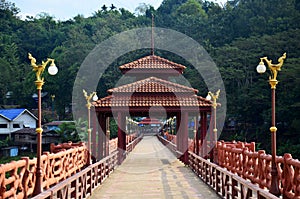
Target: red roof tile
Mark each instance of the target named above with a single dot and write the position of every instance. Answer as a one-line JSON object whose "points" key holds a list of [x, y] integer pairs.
{"points": [[153, 85], [152, 62], [152, 101]]}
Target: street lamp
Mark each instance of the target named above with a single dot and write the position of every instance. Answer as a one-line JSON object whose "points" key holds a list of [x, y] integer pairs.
{"points": [[39, 69], [214, 98], [88, 98], [274, 68]]}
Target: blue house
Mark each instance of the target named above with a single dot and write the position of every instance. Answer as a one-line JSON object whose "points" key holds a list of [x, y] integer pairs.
{"points": [[15, 119]]}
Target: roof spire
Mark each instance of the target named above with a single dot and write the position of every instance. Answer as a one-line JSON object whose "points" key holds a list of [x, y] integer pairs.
{"points": [[152, 36]]}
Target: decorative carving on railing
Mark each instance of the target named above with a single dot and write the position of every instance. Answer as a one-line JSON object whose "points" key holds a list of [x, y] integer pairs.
{"points": [[14, 178], [225, 183], [113, 145], [64, 146], [241, 159], [255, 166], [17, 178], [83, 183]]}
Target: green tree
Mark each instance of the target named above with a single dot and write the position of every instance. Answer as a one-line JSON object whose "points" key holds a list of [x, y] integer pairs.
{"points": [[68, 132]]}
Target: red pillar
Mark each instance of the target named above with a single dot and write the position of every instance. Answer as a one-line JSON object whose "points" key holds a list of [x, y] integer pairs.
{"points": [[185, 138], [101, 136], [178, 132], [197, 136], [182, 136], [203, 122], [94, 134], [107, 137], [121, 137], [211, 136]]}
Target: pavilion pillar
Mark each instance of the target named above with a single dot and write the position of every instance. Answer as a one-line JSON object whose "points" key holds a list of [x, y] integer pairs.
{"points": [[94, 134], [211, 137], [178, 132], [107, 137], [203, 129], [182, 136], [101, 136], [197, 136], [185, 138], [121, 137]]}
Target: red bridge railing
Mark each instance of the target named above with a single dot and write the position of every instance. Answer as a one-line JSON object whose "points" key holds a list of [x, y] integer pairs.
{"points": [[256, 167], [82, 184], [17, 178], [245, 165], [225, 183]]}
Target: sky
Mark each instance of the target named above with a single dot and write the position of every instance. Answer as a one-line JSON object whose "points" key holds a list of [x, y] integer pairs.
{"points": [[67, 9]]}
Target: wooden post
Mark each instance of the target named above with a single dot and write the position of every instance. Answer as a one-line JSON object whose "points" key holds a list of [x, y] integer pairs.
{"points": [[203, 122], [101, 136], [107, 137], [121, 137], [178, 132], [185, 137], [197, 135], [94, 134]]}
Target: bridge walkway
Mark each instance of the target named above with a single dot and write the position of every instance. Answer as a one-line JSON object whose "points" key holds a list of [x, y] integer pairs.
{"points": [[152, 171]]}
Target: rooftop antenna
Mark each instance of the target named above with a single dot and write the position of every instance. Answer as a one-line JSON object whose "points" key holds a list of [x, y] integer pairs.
{"points": [[152, 36]]}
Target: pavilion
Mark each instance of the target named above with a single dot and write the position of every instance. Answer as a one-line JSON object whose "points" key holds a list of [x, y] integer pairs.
{"points": [[151, 92]]}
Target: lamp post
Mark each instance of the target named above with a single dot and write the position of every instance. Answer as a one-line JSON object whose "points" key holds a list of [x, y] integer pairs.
{"points": [[274, 68], [39, 69], [214, 98], [88, 98]]}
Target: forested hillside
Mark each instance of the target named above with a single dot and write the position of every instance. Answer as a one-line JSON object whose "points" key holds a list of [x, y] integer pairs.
{"points": [[235, 35]]}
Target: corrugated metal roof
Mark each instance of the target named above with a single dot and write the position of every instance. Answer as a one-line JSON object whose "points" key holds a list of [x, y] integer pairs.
{"points": [[11, 114]]}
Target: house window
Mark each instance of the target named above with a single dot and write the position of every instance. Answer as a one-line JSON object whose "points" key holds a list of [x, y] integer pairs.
{"points": [[16, 126], [3, 126]]}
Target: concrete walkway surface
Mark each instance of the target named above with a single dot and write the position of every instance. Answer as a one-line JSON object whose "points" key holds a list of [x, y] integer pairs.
{"points": [[152, 171]]}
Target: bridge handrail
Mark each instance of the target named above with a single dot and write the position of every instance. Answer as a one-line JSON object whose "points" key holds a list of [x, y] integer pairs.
{"points": [[256, 167], [240, 158], [170, 144], [225, 183], [132, 142], [82, 184], [64, 146], [113, 143], [17, 178]]}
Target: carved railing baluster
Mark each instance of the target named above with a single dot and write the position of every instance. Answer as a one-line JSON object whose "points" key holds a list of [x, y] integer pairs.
{"points": [[250, 165]]}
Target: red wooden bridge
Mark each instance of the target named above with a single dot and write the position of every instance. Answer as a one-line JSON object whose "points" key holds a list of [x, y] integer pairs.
{"points": [[150, 170], [199, 168]]}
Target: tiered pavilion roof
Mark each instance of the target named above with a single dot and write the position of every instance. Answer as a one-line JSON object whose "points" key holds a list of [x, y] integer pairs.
{"points": [[154, 90]]}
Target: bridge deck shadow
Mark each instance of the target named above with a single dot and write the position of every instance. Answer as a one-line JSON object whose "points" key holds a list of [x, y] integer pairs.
{"points": [[152, 171]]}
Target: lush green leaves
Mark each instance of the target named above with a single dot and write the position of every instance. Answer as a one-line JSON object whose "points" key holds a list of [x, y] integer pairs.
{"points": [[236, 35]]}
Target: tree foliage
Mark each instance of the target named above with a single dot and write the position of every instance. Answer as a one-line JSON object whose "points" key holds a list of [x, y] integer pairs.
{"points": [[236, 35]]}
